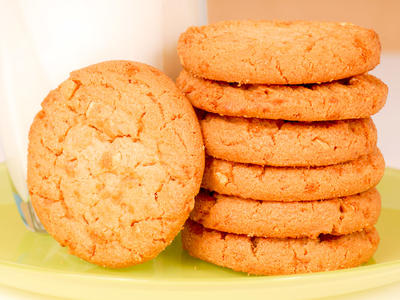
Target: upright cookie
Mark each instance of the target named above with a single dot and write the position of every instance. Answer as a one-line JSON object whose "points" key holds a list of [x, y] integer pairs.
{"points": [[115, 161], [336, 216], [278, 52], [352, 98], [282, 143], [272, 256], [293, 184]]}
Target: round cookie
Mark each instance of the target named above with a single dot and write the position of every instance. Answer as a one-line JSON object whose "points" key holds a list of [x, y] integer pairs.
{"points": [[278, 52], [283, 143], [352, 98], [293, 184], [272, 256], [115, 161], [337, 216]]}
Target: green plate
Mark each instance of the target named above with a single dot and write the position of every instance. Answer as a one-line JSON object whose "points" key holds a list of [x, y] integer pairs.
{"points": [[36, 263]]}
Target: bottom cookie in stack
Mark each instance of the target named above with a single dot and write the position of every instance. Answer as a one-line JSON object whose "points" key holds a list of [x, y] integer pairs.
{"points": [[275, 256]]}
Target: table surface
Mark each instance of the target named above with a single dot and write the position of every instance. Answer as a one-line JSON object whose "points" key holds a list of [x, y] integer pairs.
{"points": [[388, 124]]}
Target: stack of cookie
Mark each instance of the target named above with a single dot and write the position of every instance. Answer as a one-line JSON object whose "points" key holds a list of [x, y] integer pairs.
{"points": [[292, 159]]}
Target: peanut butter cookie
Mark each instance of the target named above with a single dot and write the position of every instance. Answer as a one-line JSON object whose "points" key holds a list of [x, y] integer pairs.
{"points": [[278, 52], [115, 161]]}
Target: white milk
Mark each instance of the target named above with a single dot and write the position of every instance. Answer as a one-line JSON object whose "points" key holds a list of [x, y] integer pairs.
{"points": [[43, 40]]}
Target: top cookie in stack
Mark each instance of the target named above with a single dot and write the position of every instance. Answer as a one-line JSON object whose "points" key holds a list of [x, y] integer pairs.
{"points": [[277, 52], [285, 113]]}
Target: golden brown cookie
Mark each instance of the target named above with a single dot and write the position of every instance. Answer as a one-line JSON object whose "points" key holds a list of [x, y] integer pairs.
{"points": [[352, 98], [293, 184], [283, 143], [337, 216], [115, 161], [278, 52], [273, 256]]}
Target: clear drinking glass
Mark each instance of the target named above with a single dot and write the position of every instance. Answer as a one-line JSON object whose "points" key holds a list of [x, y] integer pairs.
{"points": [[43, 40]]}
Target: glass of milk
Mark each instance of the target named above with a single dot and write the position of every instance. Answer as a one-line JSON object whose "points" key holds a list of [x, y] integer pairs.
{"points": [[41, 41]]}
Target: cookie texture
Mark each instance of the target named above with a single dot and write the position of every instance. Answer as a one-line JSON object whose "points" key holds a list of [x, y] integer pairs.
{"points": [[272, 256], [336, 216], [351, 98], [115, 161], [283, 143], [293, 184], [278, 52]]}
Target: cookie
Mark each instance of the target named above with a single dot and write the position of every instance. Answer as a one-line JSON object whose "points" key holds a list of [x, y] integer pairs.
{"points": [[278, 52], [352, 98], [336, 216], [283, 143], [293, 184], [273, 256], [115, 161]]}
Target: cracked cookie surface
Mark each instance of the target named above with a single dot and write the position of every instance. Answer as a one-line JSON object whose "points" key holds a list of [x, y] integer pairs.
{"points": [[352, 98], [273, 256], [293, 183], [297, 219], [115, 161], [278, 52], [283, 143]]}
